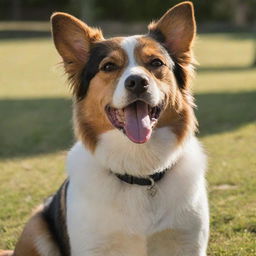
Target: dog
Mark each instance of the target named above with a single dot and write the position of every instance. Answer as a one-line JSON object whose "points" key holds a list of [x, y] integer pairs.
{"points": [[137, 170]]}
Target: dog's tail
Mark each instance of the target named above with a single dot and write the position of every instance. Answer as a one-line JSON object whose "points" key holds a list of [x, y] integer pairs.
{"points": [[6, 253]]}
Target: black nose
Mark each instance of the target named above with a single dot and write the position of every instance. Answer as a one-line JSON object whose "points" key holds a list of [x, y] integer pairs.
{"points": [[136, 84]]}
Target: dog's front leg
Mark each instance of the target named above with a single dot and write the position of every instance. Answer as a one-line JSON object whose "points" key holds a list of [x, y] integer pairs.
{"points": [[178, 243], [114, 244], [187, 237], [193, 242], [193, 230]]}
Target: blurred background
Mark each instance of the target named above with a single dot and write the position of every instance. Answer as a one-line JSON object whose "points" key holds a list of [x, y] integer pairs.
{"points": [[36, 106], [213, 16]]}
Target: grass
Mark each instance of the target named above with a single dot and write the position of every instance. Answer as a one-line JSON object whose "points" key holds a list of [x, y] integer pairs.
{"points": [[36, 132]]}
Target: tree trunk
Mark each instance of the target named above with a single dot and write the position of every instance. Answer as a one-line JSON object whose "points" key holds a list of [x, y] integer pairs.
{"points": [[87, 12], [241, 10], [254, 60], [84, 9], [16, 9]]}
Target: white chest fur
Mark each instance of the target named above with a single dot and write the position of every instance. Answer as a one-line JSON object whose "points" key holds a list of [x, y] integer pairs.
{"points": [[100, 205]]}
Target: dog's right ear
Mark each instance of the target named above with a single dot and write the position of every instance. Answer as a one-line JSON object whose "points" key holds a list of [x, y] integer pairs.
{"points": [[73, 38]]}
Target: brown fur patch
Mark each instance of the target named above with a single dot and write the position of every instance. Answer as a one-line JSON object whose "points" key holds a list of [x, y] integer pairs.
{"points": [[178, 27], [177, 30], [35, 239], [181, 123], [73, 39], [89, 114], [178, 110], [148, 50], [75, 44]]}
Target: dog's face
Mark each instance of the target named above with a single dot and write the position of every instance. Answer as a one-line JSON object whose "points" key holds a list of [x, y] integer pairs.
{"points": [[134, 84]]}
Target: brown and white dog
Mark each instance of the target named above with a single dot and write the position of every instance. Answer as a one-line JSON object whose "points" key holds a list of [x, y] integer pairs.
{"points": [[137, 168]]}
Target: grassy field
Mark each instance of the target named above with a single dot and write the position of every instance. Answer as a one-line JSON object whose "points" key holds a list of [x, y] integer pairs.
{"points": [[36, 132]]}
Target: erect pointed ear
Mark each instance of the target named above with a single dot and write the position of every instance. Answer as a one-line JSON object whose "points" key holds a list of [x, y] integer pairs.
{"points": [[177, 27], [73, 37]]}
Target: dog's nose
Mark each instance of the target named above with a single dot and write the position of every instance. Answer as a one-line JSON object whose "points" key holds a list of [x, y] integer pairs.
{"points": [[136, 84]]}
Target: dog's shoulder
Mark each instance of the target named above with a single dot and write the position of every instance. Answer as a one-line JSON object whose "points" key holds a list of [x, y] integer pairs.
{"points": [[45, 233], [54, 213]]}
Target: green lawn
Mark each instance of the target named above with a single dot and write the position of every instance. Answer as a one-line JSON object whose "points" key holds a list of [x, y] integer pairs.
{"points": [[36, 132]]}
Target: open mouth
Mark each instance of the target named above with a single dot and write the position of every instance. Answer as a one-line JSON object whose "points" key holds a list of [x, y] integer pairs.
{"points": [[135, 120]]}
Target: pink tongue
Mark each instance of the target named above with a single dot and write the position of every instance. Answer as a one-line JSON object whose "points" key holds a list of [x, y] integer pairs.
{"points": [[137, 122]]}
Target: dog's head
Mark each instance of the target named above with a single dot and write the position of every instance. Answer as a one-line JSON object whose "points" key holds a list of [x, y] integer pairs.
{"points": [[135, 84]]}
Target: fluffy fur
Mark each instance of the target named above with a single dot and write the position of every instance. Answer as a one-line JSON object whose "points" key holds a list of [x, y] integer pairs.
{"points": [[179, 205], [103, 215]]}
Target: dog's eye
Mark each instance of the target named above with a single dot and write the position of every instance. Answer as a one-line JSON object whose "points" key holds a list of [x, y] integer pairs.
{"points": [[156, 63], [109, 66]]}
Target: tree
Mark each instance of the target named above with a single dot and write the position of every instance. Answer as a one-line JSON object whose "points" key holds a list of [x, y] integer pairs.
{"points": [[254, 60], [16, 9], [241, 12], [84, 9]]}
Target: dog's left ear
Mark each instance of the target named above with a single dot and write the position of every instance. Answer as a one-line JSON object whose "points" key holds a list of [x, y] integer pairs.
{"points": [[177, 28]]}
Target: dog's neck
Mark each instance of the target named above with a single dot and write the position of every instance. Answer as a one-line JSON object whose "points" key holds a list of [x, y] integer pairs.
{"points": [[116, 153]]}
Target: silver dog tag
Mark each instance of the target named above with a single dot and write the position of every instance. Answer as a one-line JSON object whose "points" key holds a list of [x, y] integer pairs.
{"points": [[152, 188]]}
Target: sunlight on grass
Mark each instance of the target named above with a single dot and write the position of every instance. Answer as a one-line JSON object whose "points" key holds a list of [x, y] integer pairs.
{"points": [[36, 132], [31, 70]]}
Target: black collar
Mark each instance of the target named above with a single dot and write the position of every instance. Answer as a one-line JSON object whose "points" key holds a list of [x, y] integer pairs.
{"points": [[146, 181]]}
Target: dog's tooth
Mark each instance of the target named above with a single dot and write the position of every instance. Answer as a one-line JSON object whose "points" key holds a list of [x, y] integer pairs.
{"points": [[121, 112], [119, 118], [121, 115]]}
